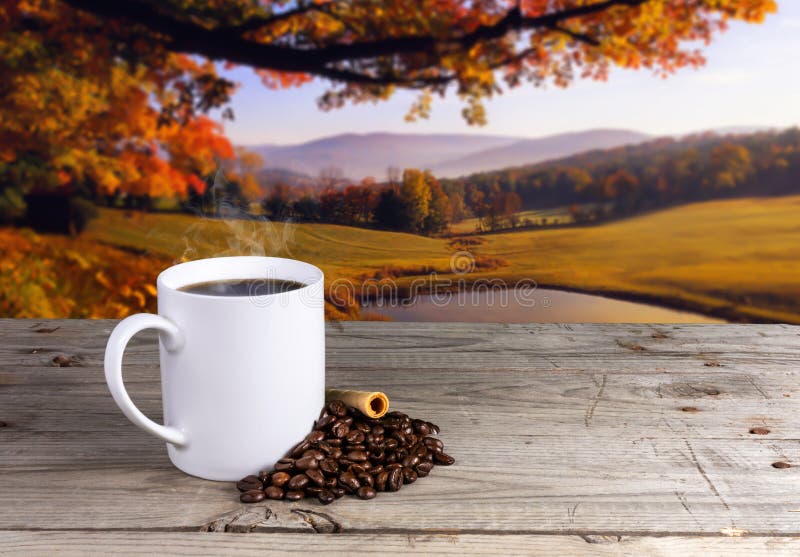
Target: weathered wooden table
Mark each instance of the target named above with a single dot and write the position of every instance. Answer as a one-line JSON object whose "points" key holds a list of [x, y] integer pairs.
{"points": [[569, 439]]}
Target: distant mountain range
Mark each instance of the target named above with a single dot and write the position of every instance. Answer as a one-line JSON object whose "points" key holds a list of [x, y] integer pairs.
{"points": [[530, 151], [447, 155]]}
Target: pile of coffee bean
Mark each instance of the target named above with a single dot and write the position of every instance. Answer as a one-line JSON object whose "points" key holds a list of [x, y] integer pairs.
{"points": [[348, 453]]}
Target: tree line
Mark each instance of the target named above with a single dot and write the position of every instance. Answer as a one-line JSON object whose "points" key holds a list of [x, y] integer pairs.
{"points": [[593, 186], [622, 181], [411, 201]]}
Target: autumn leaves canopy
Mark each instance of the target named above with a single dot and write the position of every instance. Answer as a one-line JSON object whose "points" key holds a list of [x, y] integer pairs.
{"points": [[113, 95]]}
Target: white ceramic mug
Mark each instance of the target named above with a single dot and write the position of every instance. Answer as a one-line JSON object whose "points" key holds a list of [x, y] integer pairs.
{"points": [[243, 377]]}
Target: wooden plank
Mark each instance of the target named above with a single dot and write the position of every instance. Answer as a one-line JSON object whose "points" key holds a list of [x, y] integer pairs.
{"points": [[181, 543], [586, 348], [542, 447]]}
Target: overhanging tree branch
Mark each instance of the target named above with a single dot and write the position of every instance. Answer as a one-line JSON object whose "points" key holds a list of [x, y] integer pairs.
{"points": [[227, 42]]}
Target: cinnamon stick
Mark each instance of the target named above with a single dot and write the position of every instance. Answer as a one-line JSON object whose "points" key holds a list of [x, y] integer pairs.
{"points": [[371, 404]]}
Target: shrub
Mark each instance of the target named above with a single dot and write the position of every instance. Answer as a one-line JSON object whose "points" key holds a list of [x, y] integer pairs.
{"points": [[81, 211]]}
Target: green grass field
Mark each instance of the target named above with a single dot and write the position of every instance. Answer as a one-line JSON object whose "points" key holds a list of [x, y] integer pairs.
{"points": [[738, 259]]}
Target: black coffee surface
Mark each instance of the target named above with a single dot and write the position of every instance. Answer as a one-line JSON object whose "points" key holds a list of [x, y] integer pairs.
{"points": [[242, 287]]}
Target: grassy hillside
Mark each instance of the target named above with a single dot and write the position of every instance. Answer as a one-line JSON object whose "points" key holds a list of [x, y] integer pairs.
{"points": [[736, 259], [340, 251]]}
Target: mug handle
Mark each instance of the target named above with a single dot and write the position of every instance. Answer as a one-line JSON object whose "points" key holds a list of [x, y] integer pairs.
{"points": [[172, 340]]}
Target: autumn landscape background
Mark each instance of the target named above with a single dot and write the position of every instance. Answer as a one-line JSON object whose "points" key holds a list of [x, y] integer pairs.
{"points": [[118, 155]]}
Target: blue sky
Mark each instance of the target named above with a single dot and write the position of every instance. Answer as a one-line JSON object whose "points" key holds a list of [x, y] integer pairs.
{"points": [[752, 77]]}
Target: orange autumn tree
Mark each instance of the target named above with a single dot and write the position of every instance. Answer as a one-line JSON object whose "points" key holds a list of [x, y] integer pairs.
{"points": [[83, 113], [368, 48], [93, 89]]}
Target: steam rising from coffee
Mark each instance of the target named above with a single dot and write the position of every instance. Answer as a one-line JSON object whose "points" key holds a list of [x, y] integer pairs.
{"points": [[225, 228]]}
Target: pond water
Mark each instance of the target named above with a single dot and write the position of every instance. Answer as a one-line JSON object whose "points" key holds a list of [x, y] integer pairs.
{"points": [[541, 305]]}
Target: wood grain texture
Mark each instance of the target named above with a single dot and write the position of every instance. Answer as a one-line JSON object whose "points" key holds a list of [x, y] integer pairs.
{"points": [[559, 431], [82, 543]]}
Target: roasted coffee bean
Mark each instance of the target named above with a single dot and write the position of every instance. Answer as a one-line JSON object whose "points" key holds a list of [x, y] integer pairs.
{"points": [[294, 495], [298, 482], [355, 437], [444, 459], [421, 427], [252, 496], [395, 480], [284, 465], [350, 453], [375, 470], [357, 456], [300, 448], [423, 468], [349, 481], [249, 483], [315, 436], [314, 453], [315, 476], [326, 497], [409, 476], [345, 462], [323, 423], [380, 480], [337, 408], [273, 492], [366, 492], [357, 469], [323, 447], [306, 463], [329, 466], [433, 444], [391, 422], [340, 429]]}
